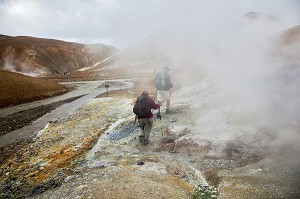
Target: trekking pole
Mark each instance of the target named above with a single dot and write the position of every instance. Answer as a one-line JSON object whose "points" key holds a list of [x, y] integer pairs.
{"points": [[159, 117], [135, 120], [106, 86]]}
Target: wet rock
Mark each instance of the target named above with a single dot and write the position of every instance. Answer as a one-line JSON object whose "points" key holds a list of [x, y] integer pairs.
{"points": [[122, 130], [170, 136], [191, 147], [140, 163]]}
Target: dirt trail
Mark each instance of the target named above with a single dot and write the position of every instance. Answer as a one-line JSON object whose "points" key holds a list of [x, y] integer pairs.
{"points": [[117, 164], [23, 118], [24, 121], [21, 123], [76, 89]]}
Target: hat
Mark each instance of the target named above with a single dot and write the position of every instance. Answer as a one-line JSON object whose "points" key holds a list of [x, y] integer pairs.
{"points": [[145, 93]]}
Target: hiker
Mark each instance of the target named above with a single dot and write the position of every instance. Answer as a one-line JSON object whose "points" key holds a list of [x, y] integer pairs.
{"points": [[163, 84], [142, 109]]}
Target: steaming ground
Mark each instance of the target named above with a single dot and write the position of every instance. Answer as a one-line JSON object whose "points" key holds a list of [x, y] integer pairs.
{"points": [[205, 140]]}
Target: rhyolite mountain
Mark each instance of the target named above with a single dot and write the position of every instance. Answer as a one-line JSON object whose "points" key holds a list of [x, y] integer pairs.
{"points": [[288, 46], [39, 56]]}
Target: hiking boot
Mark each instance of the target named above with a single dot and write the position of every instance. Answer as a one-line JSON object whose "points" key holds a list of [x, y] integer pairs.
{"points": [[168, 111], [146, 142], [141, 139]]}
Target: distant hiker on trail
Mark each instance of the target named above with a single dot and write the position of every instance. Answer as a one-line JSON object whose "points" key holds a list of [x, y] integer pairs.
{"points": [[142, 109], [163, 84]]}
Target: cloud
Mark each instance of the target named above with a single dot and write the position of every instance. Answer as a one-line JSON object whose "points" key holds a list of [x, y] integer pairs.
{"points": [[124, 22]]}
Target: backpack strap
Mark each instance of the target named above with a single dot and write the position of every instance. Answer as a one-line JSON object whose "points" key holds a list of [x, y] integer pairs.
{"points": [[135, 119]]}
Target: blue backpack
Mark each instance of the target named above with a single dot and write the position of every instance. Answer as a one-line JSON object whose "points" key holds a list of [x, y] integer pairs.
{"points": [[162, 81]]}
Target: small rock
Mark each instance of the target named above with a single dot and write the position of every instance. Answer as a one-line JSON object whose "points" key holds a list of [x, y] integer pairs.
{"points": [[173, 120], [68, 178], [140, 163], [102, 166]]}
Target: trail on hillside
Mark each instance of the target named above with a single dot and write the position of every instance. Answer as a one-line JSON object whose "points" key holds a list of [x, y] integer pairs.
{"points": [[21, 123]]}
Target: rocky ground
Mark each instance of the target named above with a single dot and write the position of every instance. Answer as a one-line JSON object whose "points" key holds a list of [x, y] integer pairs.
{"points": [[95, 153], [23, 118]]}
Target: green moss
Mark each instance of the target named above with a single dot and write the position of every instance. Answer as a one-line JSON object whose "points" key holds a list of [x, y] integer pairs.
{"points": [[205, 192]]}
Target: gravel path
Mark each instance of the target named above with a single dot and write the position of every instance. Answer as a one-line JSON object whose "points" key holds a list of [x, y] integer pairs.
{"points": [[78, 89], [87, 89]]}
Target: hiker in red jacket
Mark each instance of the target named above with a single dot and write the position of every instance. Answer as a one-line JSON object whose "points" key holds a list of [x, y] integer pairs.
{"points": [[143, 110]]}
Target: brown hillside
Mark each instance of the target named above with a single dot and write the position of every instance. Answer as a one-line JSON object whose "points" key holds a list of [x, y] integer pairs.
{"points": [[291, 35], [288, 45], [17, 88], [48, 56]]}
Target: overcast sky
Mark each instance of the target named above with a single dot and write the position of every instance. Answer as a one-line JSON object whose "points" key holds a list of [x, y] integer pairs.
{"points": [[124, 22]]}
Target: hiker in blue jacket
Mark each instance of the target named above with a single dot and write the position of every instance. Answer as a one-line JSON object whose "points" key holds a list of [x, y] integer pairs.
{"points": [[163, 84]]}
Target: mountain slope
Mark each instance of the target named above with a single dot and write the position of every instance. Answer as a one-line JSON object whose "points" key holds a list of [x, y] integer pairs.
{"points": [[17, 88], [291, 35], [288, 45], [36, 56]]}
